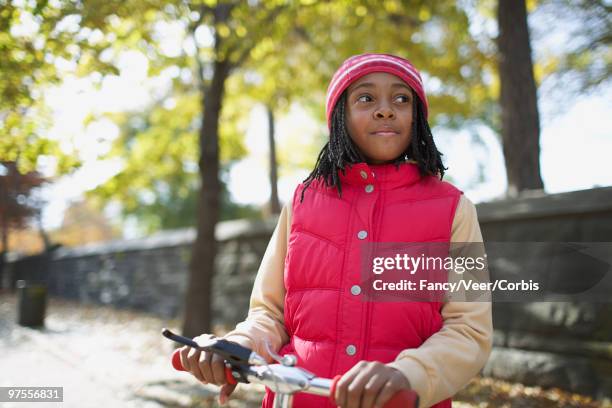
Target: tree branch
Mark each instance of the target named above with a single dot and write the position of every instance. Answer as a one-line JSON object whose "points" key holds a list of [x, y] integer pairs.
{"points": [[265, 22]]}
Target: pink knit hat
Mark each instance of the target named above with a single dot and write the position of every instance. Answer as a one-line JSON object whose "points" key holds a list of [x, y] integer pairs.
{"points": [[359, 65]]}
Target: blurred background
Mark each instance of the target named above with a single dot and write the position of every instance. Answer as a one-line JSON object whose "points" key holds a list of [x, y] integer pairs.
{"points": [[147, 147]]}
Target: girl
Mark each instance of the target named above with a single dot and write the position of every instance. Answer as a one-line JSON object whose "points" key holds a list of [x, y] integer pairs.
{"points": [[378, 179]]}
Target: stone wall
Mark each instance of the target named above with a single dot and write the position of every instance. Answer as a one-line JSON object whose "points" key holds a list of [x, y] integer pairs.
{"points": [[562, 344], [150, 274], [568, 345]]}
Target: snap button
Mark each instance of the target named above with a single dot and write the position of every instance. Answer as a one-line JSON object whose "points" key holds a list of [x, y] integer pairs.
{"points": [[364, 175], [362, 234], [351, 350], [369, 188], [355, 290]]}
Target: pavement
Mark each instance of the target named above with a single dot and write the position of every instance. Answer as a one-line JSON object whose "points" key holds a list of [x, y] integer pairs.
{"points": [[102, 357]]}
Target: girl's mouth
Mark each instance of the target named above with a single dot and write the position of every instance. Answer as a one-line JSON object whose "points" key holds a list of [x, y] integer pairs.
{"points": [[385, 133]]}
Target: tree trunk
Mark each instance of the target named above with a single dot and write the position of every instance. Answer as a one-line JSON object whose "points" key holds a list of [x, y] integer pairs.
{"points": [[4, 223], [198, 304], [518, 99], [274, 202], [3, 230], [4, 251]]}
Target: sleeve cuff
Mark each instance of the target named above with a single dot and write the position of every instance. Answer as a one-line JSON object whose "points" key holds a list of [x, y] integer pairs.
{"points": [[241, 339], [416, 375]]}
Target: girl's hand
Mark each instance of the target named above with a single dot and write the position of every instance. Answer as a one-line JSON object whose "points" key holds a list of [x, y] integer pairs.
{"points": [[369, 384], [207, 367]]}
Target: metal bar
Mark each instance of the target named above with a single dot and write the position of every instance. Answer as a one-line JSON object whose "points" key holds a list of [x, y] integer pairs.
{"points": [[319, 386]]}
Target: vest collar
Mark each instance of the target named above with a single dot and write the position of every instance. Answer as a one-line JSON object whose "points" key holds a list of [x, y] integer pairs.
{"points": [[386, 176]]}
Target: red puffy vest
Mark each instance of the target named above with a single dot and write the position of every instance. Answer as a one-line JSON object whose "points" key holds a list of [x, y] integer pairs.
{"points": [[329, 324]]}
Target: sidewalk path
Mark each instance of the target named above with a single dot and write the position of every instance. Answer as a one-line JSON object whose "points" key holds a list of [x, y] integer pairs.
{"points": [[102, 357]]}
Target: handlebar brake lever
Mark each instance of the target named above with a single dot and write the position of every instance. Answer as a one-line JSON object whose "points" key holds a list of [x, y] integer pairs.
{"points": [[232, 353]]}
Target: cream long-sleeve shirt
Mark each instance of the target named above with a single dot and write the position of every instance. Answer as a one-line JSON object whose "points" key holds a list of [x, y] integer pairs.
{"points": [[436, 370]]}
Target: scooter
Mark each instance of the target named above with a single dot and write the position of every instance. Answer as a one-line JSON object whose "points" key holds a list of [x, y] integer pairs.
{"points": [[284, 378]]}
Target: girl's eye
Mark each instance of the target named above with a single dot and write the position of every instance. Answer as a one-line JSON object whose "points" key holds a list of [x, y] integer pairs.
{"points": [[368, 98], [406, 98]]}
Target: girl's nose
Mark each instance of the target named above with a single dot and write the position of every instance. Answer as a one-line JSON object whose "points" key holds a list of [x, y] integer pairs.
{"points": [[384, 112]]}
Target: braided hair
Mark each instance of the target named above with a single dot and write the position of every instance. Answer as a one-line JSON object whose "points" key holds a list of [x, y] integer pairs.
{"points": [[340, 150]]}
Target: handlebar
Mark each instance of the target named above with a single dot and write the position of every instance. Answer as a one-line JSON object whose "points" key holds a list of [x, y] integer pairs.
{"points": [[244, 365], [178, 366]]}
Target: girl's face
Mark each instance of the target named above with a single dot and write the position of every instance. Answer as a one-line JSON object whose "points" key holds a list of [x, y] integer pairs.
{"points": [[379, 116]]}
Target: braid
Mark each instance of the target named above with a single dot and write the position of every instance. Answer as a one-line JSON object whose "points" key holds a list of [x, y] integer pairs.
{"points": [[340, 149], [422, 148], [337, 152]]}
